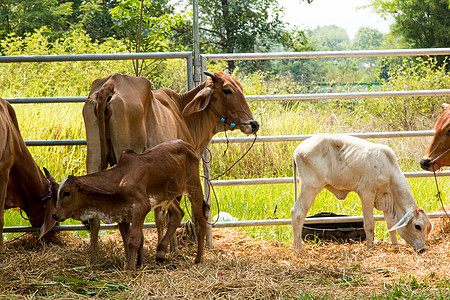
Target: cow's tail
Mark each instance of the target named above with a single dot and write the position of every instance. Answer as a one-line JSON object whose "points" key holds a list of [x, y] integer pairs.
{"points": [[294, 167], [104, 95]]}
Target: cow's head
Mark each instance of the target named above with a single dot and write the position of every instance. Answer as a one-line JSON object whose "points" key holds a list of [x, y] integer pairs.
{"points": [[50, 203], [438, 154], [67, 204], [223, 95], [414, 228]]}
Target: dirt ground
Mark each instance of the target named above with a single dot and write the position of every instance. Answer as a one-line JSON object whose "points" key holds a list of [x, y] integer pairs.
{"points": [[237, 267]]}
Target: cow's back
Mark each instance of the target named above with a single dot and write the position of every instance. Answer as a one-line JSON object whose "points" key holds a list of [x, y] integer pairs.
{"points": [[343, 161], [11, 141], [166, 123]]}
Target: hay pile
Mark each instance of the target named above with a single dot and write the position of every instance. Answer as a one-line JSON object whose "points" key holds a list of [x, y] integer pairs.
{"points": [[238, 267]]}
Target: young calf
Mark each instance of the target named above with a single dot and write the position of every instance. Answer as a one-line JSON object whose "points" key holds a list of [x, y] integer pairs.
{"points": [[138, 184], [341, 164]]}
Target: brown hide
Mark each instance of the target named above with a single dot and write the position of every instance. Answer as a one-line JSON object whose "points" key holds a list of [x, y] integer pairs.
{"points": [[122, 112], [22, 184], [137, 184], [438, 154]]}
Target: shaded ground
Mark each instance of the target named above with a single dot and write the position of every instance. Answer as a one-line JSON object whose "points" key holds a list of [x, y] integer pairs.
{"points": [[238, 267]]}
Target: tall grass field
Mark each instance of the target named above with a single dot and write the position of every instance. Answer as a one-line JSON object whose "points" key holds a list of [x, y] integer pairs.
{"points": [[265, 160]]}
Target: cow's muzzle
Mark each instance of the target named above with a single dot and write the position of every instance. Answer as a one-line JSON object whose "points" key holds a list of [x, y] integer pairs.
{"points": [[55, 217], [425, 164], [255, 126], [421, 250]]}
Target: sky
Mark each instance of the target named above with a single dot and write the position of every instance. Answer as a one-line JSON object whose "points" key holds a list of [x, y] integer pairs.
{"points": [[342, 13]]}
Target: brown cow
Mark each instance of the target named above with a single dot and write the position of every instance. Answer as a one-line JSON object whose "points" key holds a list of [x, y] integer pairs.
{"points": [[438, 154], [22, 184], [121, 112], [137, 184]]}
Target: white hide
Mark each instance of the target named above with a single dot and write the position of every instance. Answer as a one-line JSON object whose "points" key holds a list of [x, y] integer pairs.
{"points": [[341, 164]]}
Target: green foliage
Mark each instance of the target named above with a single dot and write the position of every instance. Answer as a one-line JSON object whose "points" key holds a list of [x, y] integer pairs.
{"points": [[330, 37], [23, 16], [367, 38], [420, 23], [56, 79], [410, 113]]}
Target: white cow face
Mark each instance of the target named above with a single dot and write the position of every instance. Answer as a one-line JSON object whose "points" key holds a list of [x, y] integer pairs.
{"points": [[66, 204], [414, 228]]}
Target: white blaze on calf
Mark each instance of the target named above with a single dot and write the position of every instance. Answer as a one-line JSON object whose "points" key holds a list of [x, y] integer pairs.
{"points": [[342, 164]]}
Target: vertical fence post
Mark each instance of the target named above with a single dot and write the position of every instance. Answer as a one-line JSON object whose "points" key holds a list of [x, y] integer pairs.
{"points": [[206, 168], [196, 50]]}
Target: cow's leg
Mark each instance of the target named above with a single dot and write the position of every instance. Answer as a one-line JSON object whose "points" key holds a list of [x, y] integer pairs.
{"points": [[140, 257], [3, 187], [94, 225], [389, 224], [4, 176], [176, 214], [200, 210], [125, 233], [299, 210], [160, 217], [367, 202], [135, 238], [173, 240]]}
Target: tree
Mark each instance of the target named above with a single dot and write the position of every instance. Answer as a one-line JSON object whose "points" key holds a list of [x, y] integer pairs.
{"points": [[147, 26], [24, 16], [330, 37], [421, 23], [233, 26], [367, 38]]}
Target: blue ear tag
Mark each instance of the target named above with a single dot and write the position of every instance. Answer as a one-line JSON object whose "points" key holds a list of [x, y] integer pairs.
{"points": [[222, 120], [232, 124]]}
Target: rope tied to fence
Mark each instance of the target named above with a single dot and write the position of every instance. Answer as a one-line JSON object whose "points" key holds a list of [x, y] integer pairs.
{"points": [[439, 192], [223, 173]]}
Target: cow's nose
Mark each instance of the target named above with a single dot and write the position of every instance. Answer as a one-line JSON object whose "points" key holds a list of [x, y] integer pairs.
{"points": [[420, 251], [54, 217], [425, 164], [255, 126]]}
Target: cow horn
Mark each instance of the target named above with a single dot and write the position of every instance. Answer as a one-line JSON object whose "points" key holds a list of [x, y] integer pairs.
{"points": [[404, 221], [46, 172], [210, 74]]}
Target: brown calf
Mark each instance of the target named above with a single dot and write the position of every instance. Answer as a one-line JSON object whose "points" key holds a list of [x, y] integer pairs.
{"points": [[127, 192]]}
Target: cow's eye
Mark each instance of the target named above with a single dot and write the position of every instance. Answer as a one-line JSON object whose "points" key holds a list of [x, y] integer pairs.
{"points": [[448, 133], [66, 194], [227, 92], [418, 227]]}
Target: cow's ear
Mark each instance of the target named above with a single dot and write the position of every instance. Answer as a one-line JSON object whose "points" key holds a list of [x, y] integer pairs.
{"points": [[86, 188], [199, 103], [404, 221], [445, 105], [49, 222]]}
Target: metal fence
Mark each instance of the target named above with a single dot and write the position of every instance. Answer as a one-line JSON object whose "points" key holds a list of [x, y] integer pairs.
{"points": [[244, 56]]}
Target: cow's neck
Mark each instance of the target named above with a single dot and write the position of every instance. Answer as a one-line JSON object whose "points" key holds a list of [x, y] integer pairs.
{"points": [[27, 187], [402, 198], [201, 125]]}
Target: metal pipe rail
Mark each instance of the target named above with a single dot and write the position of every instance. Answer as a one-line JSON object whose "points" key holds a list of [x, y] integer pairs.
{"points": [[326, 54], [283, 180], [249, 139], [327, 96], [93, 57], [249, 223], [99, 57], [252, 98]]}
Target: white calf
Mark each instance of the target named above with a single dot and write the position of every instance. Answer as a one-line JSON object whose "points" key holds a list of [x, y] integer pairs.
{"points": [[341, 164]]}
